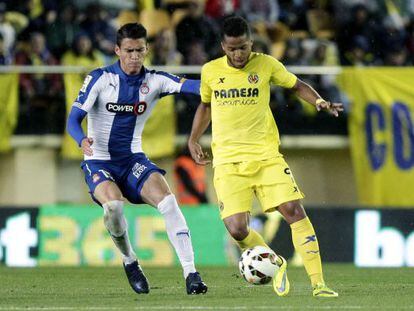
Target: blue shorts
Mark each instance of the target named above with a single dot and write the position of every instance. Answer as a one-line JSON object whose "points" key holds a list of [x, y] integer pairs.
{"points": [[129, 174]]}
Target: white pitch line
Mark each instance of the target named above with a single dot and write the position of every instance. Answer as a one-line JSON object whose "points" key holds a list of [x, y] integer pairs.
{"points": [[333, 307]]}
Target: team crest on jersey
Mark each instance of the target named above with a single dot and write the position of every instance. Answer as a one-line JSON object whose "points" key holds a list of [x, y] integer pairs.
{"points": [[144, 89], [253, 78]]}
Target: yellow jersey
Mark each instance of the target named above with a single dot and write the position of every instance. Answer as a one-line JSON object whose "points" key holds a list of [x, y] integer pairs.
{"points": [[243, 127]]}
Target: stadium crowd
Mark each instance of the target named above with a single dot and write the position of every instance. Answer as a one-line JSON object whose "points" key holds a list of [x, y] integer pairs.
{"points": [[186, 32]]}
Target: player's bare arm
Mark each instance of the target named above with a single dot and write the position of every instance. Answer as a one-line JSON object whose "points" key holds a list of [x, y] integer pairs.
{"points": [[308, 93], [201, 121]]}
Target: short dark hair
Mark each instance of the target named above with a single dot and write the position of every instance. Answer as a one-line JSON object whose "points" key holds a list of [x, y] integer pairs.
{"points": [[131, 31], [235, 26]]}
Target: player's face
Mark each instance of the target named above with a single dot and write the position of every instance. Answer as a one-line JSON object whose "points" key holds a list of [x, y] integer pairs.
{"points": [[237, 49], [132, 54]]}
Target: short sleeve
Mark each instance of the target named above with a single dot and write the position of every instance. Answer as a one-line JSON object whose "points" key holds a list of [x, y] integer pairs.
{"points": [[170, 84], [89, 90], [205, 90], [280, 75]]}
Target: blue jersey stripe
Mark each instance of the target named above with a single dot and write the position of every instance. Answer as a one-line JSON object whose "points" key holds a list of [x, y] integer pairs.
{"points": [[168, 75], [123, 126]]}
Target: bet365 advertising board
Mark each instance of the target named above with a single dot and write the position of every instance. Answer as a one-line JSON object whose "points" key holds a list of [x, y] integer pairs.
{"points": [[75, 235]]}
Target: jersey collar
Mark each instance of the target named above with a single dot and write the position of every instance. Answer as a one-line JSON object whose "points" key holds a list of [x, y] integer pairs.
{"points": [[237, 69]]}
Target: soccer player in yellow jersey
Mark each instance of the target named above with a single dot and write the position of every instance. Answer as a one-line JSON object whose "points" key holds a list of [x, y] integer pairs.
{"points": [[235, 91]]}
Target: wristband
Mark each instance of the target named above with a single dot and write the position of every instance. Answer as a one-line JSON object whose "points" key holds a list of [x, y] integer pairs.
{"points": [[319, 100]]}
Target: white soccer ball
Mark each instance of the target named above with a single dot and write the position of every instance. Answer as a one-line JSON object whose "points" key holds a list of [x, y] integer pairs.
{"points": [[258, 265]]}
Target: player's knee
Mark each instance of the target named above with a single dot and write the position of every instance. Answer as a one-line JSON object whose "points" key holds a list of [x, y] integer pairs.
{"points": [[114, 208], [238, 231], [168, 204], [114, 217], [292, 211], [107, 191]]}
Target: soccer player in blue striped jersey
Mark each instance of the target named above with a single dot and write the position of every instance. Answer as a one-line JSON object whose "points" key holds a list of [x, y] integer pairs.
{"points": [[117, 101]]}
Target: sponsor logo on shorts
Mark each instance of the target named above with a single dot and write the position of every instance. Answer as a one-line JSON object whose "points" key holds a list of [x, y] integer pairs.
{"points": [[95, 178], [138, 169], [287, 171]]}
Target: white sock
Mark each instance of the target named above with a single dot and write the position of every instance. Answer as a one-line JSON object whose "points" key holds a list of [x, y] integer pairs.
{"points": [[178, 233], [117, 227]]}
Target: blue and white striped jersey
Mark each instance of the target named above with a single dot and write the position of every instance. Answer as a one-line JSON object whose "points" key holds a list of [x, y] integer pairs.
{"points": [[118, 105]]}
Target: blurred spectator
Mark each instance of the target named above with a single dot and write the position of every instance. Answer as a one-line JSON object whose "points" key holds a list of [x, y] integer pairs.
{"points": [[261, 45], [97, 25], [61, 33], [393, 37], [5, 57], [83, 53], [164, 51], [397, 57], [358, 36], [263, 17], [40, 93], [358, 53], [343, 8], [261, 11], [410, 40], [298, 20], [196, 26], [219, 9], [196, 54], [190, 180], [293, 53], [42, 14], [6, 31]]}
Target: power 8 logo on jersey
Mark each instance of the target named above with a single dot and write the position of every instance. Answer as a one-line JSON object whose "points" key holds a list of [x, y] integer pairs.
{"points": [[135, 108]]}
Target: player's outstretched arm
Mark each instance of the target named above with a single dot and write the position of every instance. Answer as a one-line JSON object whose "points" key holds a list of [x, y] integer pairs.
{"points": [[74, 128], [201, 121], [191, 87], [308, 93]]}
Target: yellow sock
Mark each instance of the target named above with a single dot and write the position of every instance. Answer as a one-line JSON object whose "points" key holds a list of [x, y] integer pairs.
{"points": [[306, 244], [252, 239]]}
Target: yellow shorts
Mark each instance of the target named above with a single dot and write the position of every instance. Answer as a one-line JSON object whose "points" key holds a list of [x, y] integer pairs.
{"points": [[270, 180]]}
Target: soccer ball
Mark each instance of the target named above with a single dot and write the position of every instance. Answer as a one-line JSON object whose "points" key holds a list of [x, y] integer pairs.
{"points": [[258, 265]]}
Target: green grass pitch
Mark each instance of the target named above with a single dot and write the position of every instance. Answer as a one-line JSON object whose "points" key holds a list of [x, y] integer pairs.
{"points": [[57, 288]]}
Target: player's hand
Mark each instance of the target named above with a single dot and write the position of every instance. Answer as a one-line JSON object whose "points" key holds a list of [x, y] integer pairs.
{"points": [[197, 153], [86, 146], [332, 108]]}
